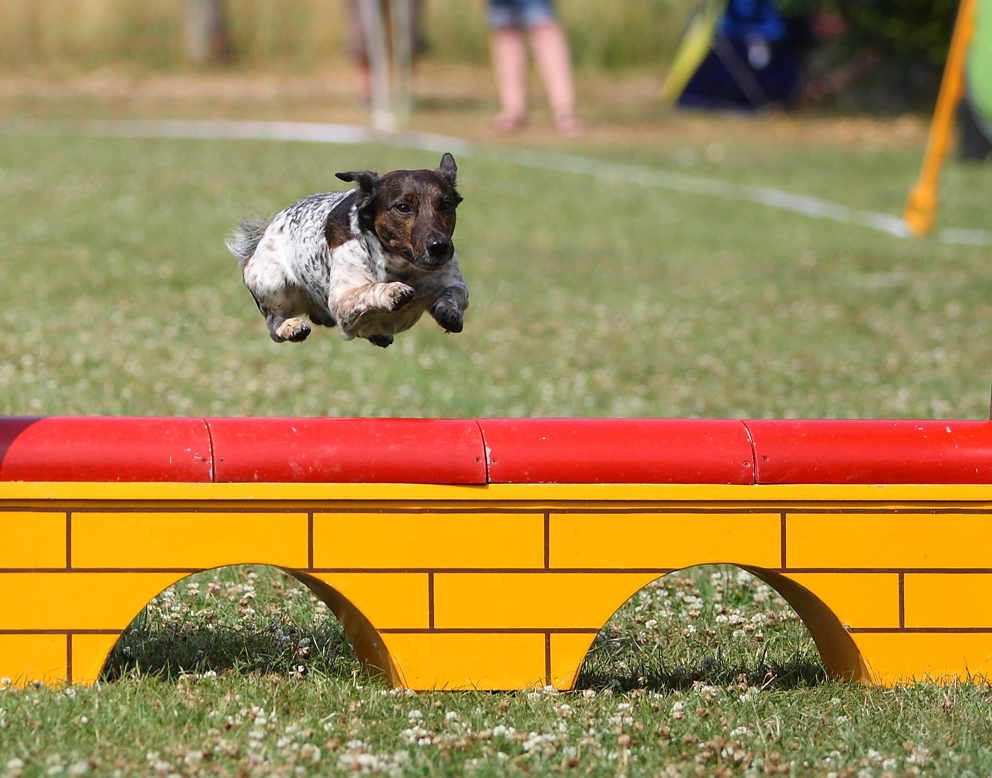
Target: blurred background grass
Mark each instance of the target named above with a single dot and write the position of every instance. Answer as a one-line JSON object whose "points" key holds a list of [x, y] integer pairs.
{"points": [[589, 297], [308, 33]]}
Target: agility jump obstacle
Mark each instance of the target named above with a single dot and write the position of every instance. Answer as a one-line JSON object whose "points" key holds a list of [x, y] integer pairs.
{"points": [[488, 553]]}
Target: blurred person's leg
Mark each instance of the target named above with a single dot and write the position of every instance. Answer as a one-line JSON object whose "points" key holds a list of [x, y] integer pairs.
{"points": [[554, 63], [509, 54], [510, 67], [359, 53]]}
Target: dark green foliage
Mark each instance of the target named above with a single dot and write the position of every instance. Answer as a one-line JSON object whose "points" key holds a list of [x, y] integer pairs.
{"points": [[909, 30]]}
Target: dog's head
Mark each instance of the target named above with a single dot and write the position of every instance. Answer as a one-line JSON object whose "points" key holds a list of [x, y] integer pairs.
{"points": [[411, 211]]}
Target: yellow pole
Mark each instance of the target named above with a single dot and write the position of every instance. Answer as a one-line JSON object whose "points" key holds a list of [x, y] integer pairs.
{"points": [[922, 203]]}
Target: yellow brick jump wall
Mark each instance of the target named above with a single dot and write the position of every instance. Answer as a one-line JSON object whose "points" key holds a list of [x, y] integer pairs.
{"points": [[503, 587]]}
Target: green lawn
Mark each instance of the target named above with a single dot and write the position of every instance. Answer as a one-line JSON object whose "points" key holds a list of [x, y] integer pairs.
{"points": [[589, 298]]}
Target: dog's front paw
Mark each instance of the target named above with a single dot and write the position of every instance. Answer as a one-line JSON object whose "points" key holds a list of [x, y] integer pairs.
{"points": [[449, 317], [381, 340], [399, 294], [295, 330]]}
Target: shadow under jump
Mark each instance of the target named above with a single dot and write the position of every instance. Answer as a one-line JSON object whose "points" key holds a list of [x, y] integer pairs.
{"points": [[175, 650], [619, 663]]}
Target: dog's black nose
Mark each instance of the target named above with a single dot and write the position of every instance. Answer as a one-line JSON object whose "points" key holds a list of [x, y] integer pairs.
{"points": [[438, 248]]}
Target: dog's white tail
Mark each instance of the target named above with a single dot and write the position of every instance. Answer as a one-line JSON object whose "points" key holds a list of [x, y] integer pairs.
{"points": [[244, 240]]}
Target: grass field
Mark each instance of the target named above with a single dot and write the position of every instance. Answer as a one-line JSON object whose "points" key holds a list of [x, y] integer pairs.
{"points": [[589, 298]]}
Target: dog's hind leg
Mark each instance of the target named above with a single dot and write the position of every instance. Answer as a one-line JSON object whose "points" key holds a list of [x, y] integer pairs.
{"points": [[280, 301], [278, 311], [293, 329]]}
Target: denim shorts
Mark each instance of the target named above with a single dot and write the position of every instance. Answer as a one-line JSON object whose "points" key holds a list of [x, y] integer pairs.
{"points": [[519, 13]]}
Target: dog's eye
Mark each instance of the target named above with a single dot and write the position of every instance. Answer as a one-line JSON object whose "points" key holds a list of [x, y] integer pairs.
{"points": [[403, 208], [444, 206]]}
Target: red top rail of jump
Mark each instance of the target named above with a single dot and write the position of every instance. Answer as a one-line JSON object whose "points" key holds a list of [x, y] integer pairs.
{"points": [[494, 451]]}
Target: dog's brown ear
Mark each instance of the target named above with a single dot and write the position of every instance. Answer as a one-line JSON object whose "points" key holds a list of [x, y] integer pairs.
{"points": [[368, 184], [448, 168]]}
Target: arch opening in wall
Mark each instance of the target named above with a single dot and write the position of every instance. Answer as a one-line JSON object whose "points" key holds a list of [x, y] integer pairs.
{"points": [[240, 618], [716, 624]]}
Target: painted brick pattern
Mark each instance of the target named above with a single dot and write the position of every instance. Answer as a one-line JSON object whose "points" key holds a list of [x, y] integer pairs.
{"points": [[464, 593]]}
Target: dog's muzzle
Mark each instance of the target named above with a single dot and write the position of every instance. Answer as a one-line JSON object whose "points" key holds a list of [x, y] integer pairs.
{"points": [[439, 251]]}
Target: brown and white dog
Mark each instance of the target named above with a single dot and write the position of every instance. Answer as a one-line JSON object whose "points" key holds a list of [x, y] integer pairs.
{"points": [[370, 260]]}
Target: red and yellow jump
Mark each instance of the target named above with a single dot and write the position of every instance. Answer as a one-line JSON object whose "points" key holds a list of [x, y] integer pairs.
{"points": [[488, 553]]}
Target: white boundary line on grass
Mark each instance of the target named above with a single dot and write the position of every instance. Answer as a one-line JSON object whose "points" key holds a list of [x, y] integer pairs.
{"points": [[545, 160]]}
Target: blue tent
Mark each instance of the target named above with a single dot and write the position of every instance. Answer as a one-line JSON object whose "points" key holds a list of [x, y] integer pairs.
{"points": [[736, 54]]}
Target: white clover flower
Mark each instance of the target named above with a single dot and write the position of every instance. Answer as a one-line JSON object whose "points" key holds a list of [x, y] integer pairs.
{"points": [[415, 715], [536, 740], [417, 736], [740, 732]]}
